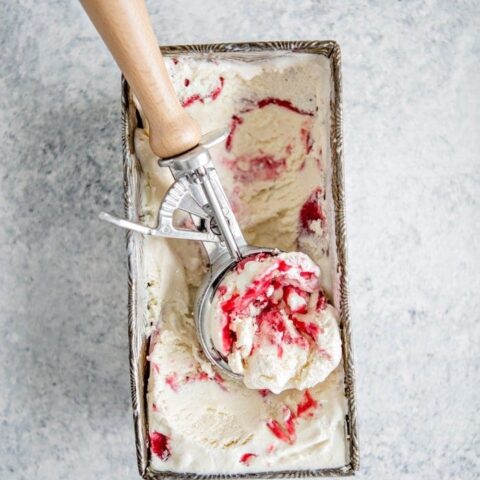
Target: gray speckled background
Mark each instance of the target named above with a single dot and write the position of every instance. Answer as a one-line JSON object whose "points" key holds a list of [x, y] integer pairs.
{"points": [[412, 143]]}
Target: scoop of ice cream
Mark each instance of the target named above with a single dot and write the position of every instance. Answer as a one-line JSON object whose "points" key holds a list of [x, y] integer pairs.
{"points": [[272, 322]]}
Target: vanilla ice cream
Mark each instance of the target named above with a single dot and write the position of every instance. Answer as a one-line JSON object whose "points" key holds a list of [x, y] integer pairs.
{"points": [[274, 167], [272, 321]]}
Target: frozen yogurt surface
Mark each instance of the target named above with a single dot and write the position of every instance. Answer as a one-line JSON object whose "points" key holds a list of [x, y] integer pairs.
{"points": [[275, 168], [272, 321]]}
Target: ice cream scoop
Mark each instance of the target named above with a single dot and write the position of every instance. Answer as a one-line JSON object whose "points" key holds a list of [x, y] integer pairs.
{"points": [[175, 137], [196, 191]]}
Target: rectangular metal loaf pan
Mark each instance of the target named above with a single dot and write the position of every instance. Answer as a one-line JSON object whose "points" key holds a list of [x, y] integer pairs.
{"points": [[138, 341]]}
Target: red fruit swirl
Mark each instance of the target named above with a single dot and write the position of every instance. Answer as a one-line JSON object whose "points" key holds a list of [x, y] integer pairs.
{"points": [[171, 381], [306, 138], [282, 103], [308, 403], [287, 432], [246, 457], [312, 211], [213, 95], [160, 445], [308, 328]]}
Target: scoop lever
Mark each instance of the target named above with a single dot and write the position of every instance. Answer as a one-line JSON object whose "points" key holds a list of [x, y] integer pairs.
{"points": [[198, 192]]}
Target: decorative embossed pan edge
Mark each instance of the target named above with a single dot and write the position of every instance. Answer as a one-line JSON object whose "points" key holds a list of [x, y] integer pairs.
{"points": [[137, 340]]}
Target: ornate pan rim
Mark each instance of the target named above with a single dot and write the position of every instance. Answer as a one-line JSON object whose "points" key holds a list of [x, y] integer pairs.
{"points": [[137, 341]]}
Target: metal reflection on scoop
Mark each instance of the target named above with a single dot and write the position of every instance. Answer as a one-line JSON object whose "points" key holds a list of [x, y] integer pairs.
{"points": [[197, 191]]}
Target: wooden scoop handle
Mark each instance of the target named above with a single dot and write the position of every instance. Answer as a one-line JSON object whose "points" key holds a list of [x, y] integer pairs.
{"points": [[127, 31]]}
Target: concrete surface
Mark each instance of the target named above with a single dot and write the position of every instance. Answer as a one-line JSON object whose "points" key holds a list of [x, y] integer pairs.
{"points": [[412, 115]]}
